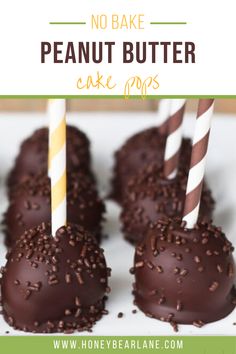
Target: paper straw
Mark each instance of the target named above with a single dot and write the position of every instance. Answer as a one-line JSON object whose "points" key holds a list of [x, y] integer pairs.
{"points": [[57, 162], [174, 138], [163, 115], [198, 161]]}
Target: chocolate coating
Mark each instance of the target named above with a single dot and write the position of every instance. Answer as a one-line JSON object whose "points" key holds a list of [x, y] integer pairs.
{"points": [[54, 284], [139, 151], [184, 276], [30, 205], [33, 155], [149, 197]]}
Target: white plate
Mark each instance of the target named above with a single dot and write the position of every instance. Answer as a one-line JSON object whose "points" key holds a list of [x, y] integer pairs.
{"points": [[107, 132]]}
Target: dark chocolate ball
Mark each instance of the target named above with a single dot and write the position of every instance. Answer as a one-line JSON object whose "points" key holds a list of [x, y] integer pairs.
{"points": [[140, 150], [54, 284], [149, 196], [30, 205], [184, 276], [33, 155]]}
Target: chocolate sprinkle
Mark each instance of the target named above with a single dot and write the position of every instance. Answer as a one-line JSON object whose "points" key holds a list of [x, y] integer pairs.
{"points": [[33, 156], [214, 286], [196, 285], [155, 199], [140, 151], [84, 207], [69, 297]]}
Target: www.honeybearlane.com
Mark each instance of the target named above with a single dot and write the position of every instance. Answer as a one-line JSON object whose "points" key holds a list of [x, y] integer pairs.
{"points": [[118, 344], [90, 344]]}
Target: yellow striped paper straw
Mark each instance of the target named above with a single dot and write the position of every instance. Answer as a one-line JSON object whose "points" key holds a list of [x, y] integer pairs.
{"points": [[57, 162]]}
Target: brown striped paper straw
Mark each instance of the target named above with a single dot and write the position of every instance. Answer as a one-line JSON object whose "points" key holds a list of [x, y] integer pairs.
{"points": [[198, 161], [174, 138], [163, 115]]}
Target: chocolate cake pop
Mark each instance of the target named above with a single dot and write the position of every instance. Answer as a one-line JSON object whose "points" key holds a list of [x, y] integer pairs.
{"points": [[184, 275], [33, 155], [139, 151], [31, 205], [150, 196], [54, 284]]}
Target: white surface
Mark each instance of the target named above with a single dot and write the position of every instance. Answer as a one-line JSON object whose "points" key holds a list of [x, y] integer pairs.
{"points": [[107, 132]]}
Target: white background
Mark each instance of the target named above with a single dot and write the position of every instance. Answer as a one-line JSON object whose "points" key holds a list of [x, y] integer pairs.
{"points": [[24, 24]]}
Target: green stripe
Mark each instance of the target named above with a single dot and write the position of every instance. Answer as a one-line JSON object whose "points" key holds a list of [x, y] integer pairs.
{"points": [[168, 23], [67, 23], [149, 97], [125, 345]]}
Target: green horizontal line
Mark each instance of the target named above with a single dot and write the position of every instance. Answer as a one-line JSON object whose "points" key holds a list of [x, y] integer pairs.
{"points": [[149, 97], [168, 23], [67, 23]]}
